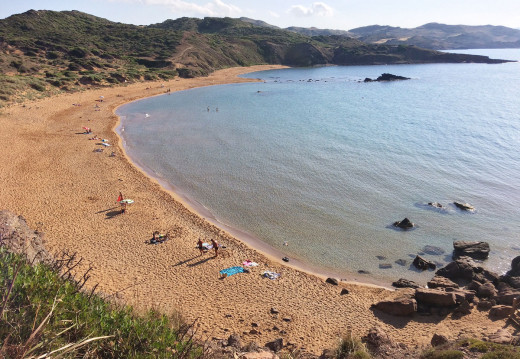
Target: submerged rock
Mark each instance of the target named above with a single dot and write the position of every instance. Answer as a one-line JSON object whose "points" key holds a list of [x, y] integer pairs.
{"points": [[436, 205], [432, 250]]}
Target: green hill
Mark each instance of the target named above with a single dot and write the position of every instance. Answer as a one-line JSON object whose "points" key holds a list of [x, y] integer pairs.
{"points": [[46, 52]]}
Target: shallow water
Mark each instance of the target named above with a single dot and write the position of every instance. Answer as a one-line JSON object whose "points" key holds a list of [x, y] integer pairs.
{"points": [[315, 158]]}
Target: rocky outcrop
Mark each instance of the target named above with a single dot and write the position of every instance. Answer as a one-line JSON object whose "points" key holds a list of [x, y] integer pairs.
{"points": [[16, 235], [500, 311], [475, 250], [486, 290], [441, 282], [276, 345], [515, 267], [405, 283], [423, 264], [434, 297], [402, 306], [376, 339], [465, 269], [404, 224], [438, 339], [461, 294]]}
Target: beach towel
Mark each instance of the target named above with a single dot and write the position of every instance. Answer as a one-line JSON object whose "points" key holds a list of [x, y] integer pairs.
{"points": [[248, 263], [232, 270], [270, 275]]}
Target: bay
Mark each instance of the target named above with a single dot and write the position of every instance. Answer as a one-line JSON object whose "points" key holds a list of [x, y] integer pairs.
{"points": [[318, 159]]}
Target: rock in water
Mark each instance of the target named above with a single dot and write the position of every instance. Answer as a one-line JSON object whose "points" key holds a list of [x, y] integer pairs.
{"points": [[387, 77], [404, 224], [476, 250], [464, 206], [423, 264], [515, 267], [435, 204]]}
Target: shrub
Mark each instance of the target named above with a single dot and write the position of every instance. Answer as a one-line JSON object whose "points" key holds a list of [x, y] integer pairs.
{"points": [[52, 55], [350, 347], [38, 87]]}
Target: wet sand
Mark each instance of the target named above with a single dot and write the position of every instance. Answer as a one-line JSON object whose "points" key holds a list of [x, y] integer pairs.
{"points": [[51, 175]]}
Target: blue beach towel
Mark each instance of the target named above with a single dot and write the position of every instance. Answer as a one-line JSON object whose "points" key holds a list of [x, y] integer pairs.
{"points": [[231, 271]]}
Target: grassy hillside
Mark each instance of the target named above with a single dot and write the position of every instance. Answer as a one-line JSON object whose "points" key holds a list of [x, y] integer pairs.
{"points": [[46, 52], [43, 311]]}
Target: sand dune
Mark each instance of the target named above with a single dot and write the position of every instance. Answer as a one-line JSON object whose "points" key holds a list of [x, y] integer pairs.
{"points": [[51, 175]]}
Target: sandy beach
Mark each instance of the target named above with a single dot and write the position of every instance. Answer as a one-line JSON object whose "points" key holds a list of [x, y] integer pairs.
{"points": [[52, 174]]}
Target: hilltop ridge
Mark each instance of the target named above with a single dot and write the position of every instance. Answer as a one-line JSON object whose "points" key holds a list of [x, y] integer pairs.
{"points": [[44, 52]]}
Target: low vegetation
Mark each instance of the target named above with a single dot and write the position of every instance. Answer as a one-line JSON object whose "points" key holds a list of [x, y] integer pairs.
{"points": [[473, 348], [44, 312]]}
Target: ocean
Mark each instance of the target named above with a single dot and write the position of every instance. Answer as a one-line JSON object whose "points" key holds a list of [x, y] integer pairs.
{"points": [[318, 164]]}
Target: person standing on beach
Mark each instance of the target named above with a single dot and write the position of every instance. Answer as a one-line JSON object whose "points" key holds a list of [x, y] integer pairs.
{"points": [[215, 245], [201, 248]]}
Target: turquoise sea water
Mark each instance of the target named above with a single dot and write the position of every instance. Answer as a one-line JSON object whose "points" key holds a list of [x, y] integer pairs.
{"points": [[315, 158]]}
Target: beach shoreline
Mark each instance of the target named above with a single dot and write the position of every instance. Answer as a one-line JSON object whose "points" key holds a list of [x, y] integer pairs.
{"points": [[65, 187], [247, 238]]}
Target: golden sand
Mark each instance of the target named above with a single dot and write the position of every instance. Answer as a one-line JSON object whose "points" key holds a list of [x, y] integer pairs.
{"points": [[50, 174]]}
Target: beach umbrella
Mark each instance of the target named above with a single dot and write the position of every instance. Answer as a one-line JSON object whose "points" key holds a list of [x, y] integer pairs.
{"points": [[127, 200]]}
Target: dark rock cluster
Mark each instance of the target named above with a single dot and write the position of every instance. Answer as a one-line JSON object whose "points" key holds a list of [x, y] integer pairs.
{"points": [[387, 77], [458, 288]]}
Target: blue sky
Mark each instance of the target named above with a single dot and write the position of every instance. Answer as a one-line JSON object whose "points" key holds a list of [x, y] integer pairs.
{"points": [[331, 14]]}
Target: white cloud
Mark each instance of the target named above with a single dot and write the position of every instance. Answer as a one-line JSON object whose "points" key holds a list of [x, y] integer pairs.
{"points": [[213, 8], [317, 8], [274, 14]]}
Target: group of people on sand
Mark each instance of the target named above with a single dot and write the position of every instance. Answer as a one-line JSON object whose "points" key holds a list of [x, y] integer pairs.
{"points": [[203, 249]]}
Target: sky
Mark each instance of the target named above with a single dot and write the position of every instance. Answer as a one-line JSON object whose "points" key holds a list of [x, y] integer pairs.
{"points": [[326, 14]]}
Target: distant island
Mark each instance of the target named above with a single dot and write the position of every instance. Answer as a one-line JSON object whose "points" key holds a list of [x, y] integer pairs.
{"points": [[47, 52]]}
